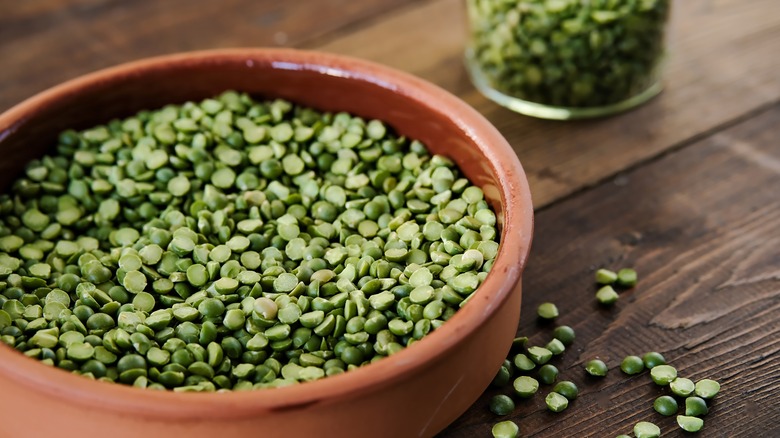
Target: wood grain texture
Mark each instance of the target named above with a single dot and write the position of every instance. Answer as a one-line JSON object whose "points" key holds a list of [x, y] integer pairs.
{"points": [[686, 188], [701, 226], [44, 42], [723, 63]]}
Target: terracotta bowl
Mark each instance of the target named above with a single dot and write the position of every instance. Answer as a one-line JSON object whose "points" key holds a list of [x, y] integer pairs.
{"points": [[415, 393]]}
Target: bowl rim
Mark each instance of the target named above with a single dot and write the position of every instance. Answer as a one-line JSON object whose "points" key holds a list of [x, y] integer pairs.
{"points": [[515, 245]]}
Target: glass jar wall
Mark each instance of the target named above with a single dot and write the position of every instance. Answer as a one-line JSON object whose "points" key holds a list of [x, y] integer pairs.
{"points": [[564, 59]]}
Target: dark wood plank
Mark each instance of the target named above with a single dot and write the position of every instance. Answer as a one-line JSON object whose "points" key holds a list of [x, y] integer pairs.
{"points": [[702, 227], [723, 63], [44, 42]]}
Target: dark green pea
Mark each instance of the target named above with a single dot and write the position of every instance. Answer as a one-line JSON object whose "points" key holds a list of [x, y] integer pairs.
{"points": [[130, 362], [695, 406], [211, 308], [567, 389], [565, 334], [652, 359], [548, 374], [502, 377], [501, 405], [665, 405], [632, 365]]}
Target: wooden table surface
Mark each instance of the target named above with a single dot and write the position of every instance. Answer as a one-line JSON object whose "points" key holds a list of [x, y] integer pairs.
{"points": [[686, 189]]}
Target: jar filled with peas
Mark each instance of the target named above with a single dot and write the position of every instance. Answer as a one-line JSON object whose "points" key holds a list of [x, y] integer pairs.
{"points": [[567, 59]]}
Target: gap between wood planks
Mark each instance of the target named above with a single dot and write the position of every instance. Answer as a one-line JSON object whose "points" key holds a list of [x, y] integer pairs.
{"points": [[662, 154]]}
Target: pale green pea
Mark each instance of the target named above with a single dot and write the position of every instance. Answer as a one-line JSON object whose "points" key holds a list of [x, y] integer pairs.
{"points": [[707, 388], [605, 276], [556, 402], [505, 429], [555, 346], [220, 253], [126, 236], [547, 311], [130, 262], [525, 386], [285, 282], [522, 362], [134, 281], [10, 243], [663, 374], [626, 277], [179, 186], [682, 387], [143, 301], [606, 296], [539, 355], [40, 270], [234, 319], [690, 424], [464, 283], [226, 285], [289, 314], [645, 429]]}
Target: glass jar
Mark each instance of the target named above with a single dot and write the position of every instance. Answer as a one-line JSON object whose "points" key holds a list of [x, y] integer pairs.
{"points": [[566, 59]]}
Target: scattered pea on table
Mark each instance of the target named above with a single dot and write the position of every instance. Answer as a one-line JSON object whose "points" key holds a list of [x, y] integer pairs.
{"points": [[663, 374], [556, 402], [653, 358], [567, 389], [707, 388], [547, 311], [682, 387], [632, 365], [525, 386], [665, 405], [596, 368], [696, 407], [501, 405], [505, 429], [565, 334], [690, 424], [646, 429]]}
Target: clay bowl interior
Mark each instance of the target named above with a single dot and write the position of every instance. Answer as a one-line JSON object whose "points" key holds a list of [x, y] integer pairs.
{"points": [[414, 393]]}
